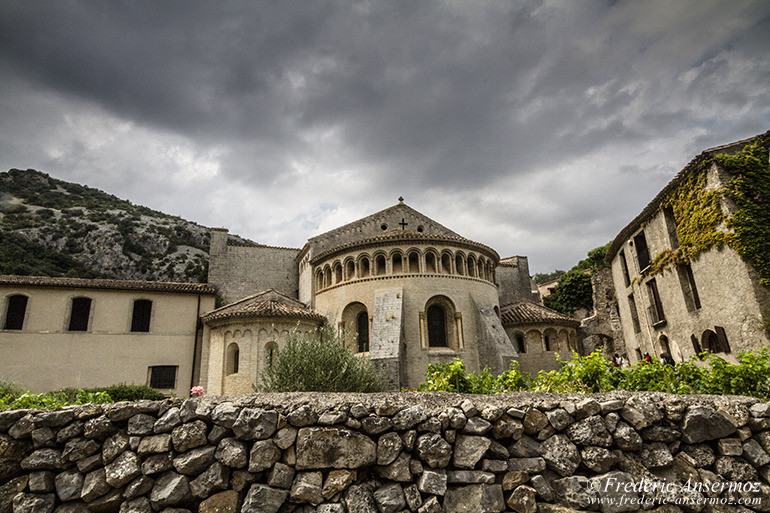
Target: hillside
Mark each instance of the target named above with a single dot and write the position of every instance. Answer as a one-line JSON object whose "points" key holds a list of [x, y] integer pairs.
{"points": [[50, 227]]}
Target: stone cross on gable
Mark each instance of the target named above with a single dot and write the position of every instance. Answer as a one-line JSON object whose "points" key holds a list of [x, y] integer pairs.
{"points": [[403, 224]]}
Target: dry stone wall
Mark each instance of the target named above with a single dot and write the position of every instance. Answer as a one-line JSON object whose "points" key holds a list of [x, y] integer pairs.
{"points": [[388, 453]]}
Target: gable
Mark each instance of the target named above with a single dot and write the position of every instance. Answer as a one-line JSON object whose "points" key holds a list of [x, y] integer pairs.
{"points": [[398, 217]]}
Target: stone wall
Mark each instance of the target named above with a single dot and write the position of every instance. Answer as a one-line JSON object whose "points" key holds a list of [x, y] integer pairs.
{"points": [[386, 453], [603, 328], [240, 271]]}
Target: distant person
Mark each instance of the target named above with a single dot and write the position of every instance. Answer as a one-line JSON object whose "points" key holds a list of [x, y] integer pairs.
{"points": [[616, 360], [647, 358], [624, 363]]}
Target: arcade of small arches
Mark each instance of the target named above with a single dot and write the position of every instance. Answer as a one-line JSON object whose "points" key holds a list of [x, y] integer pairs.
{"points": [[544, 340], [412, 261]]}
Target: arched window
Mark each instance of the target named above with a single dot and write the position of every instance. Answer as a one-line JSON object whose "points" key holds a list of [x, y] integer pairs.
{"points": [[446, 263], [550, 340], [337, 272], [414, 262], [350, 270], [362, 332], [398, 263], [471, 266], [355, 326], [271, 354], [436, 326], [15, 312], [379, 265], [140, 319], [460, 265], [430, 262], [319, 279], [363, 267], [327, 276], [233, 359]]}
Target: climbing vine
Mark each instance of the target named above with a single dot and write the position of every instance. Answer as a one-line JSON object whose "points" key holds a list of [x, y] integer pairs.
{"points": [[700, 218], [750, 190]]}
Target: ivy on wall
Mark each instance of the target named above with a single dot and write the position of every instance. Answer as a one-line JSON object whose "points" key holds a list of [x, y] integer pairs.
{"points": [[699, 215], [750, 190]]}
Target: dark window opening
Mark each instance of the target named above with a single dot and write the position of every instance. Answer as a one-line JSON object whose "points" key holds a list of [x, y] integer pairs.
{"points": [[436, 326], [236, 361], [722, 344], [520, 344], [624, 266], [639, 354], [689, 289], [547, 341], [81, 311], [140, 320], [634, 314], [709, 341], [656, 307], [642, 253], [668, 217], [163, 376], [14, 315], [695, 344], [362, 325]]}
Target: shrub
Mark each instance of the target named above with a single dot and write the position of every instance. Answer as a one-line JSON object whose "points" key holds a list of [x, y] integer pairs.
{"points": [[319, 362], [452, 377], [594, 373]]}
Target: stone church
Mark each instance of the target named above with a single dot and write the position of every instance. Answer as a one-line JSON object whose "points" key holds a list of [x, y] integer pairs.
{"points": [[403, 290]]}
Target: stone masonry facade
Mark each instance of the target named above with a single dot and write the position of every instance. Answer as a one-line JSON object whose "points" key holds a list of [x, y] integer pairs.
{"points": [[388, 453]]}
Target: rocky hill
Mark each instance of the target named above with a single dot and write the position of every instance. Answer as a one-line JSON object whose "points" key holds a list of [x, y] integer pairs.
{"points": [[50, 227]]}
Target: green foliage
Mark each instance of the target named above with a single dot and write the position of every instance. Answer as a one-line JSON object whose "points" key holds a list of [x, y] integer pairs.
{"points": [[750, 190], [13, 396], [572, 293], [452, 377], [22, 257], [699, 215], [319, 362], [541, 278], [594, 262], [594, 373]]}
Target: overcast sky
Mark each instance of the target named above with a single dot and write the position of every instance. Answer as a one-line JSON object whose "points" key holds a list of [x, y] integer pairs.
{"points": [[538, 128]]}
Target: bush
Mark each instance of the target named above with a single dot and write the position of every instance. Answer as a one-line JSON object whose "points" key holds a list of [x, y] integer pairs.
{"points": [[319, 363], [594, 373], [13, 397], [120, 392], [452, 377]]}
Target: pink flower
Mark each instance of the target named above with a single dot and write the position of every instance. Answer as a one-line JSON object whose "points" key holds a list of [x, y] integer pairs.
{"points": [[196, 391]]}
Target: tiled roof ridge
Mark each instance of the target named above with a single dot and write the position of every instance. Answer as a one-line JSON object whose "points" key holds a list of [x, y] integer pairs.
{"points": [[270, 307], [107, 283], [525, 311], [653, 205]]}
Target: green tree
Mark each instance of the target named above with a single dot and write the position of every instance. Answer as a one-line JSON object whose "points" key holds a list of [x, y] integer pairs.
{"points": [[319, 363], [572, 293]]}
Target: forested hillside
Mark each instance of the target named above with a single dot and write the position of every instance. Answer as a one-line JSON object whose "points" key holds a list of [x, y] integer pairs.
{"points": [[50, 227]]}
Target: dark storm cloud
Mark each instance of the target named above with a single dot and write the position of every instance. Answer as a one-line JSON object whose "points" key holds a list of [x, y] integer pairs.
{"points": [[341, 103]]}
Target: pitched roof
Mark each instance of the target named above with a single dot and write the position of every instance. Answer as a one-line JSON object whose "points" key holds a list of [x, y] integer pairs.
{"points": [[653, 206], [373, 225], [270, 304], [99, 283], [525, 311]]}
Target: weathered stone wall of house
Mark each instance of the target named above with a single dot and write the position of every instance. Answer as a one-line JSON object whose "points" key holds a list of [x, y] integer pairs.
{"points": [[423, 453], [513, 281], [240, 271], [603, 328]]}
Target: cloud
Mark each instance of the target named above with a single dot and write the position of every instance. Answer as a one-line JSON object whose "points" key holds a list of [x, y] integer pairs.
{"points": [[539, 128]]}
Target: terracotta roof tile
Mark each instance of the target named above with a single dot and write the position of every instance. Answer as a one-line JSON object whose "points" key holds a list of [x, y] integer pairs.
{"points": [[86, 283], [529, 312], [270, 303]]}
